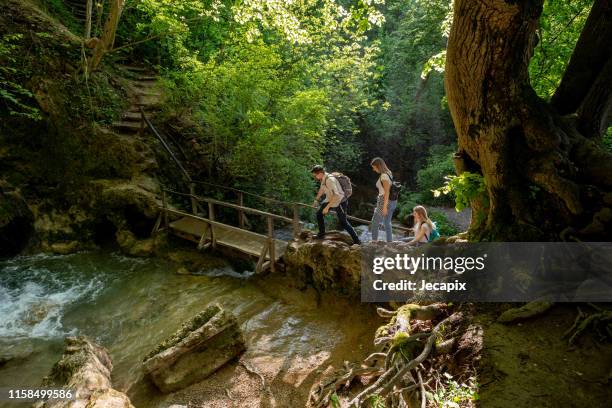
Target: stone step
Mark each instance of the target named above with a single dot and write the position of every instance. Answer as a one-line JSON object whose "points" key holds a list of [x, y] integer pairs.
{"points": [[146, 92], [147, 78], [134, 68], [143, 84], [125, 125], [135, 108], [145, 100], [131, 115]]}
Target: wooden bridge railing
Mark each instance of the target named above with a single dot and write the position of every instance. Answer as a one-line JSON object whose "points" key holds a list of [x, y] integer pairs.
{"points": [[212, 222], [240, 194]]}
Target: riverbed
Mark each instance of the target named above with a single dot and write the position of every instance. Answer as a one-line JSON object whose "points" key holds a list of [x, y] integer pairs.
{"points": [[129, 305]]}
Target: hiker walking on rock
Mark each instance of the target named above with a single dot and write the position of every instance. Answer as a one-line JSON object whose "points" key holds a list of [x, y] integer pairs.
{"points": [[336, 198], [386, 200]]}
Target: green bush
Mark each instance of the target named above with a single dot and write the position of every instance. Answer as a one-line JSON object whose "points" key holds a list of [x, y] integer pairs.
{"points": [[257, 123], [17, 99], [443, 225], [407, 201], [439, 165], [607, 139], [57, 9], [465, 187]]}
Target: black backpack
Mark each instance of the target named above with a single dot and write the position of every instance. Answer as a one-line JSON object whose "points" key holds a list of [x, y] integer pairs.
{"points": [[395, 189]]}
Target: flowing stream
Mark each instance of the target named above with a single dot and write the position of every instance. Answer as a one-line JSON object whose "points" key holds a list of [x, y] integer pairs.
{"points": [[129, 305]]}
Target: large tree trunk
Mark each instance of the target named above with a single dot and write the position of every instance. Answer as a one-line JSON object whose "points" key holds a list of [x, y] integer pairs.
{"points": [[544, 179]]}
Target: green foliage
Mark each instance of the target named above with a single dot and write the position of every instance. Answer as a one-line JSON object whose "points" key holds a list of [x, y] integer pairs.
{"points": [[409, 117], [407, 201], [466, 187], [255, 121], [443, 225], [335, 401], [58, 10], [376, 401], [607, 139], [439, 165], [15, 97], [435, 63], [453, 394], [282, 85], [560, 26]]}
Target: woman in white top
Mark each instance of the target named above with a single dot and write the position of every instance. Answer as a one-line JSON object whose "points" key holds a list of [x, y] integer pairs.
{"points": [[422, 226], [384, 206]]}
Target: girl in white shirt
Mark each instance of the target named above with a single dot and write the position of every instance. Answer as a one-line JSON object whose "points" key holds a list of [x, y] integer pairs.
{"points": [[384, 206], [422, 226]]}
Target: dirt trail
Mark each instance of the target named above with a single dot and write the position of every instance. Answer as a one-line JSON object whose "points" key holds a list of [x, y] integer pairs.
{"points": [[530, 365]]}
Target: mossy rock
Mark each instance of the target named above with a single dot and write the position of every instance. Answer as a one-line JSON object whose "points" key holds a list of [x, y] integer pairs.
{"points": [[197, 321], [64, 248], [526, 311]]}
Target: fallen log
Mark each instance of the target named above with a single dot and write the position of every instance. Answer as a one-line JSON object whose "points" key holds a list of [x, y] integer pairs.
{"points": [[203, 345]]}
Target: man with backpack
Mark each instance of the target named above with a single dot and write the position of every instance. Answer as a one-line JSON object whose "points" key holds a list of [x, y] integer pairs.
{"points": [[337, 189]]}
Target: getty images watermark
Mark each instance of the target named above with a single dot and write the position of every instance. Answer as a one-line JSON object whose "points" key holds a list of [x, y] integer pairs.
{"points": [[481, 272], [412, 264]]}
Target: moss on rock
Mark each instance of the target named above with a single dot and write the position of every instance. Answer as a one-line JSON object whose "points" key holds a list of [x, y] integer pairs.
{"points": [[197, 321]]}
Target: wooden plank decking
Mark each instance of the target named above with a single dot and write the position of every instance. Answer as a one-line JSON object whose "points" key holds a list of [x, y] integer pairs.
{"points": [[242, 240]]}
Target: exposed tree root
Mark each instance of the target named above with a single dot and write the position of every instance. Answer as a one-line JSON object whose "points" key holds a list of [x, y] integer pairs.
{"points": [[404, 367], [600, 322], [320, 397]]}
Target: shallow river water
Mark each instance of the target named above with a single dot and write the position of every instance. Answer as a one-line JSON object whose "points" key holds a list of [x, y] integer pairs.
{"points": [[129, 305]]}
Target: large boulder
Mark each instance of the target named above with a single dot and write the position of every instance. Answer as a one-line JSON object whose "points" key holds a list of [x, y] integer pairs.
{"points": [[198, 349], [133, 246], [85, 368], [330, 263]]}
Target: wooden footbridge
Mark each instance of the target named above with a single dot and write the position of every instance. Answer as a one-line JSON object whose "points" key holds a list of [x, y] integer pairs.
{"points": [[202, 225]]}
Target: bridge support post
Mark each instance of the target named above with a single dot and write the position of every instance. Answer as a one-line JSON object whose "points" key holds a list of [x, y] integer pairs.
{"points": [[211, 216], [240, 212], [194, 203], [165, 207], [157, 223], [271, 244], [262, 258], [296, 221]]}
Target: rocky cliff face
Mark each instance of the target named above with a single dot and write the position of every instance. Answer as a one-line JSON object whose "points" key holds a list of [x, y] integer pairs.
{"points": [[73, 178]]}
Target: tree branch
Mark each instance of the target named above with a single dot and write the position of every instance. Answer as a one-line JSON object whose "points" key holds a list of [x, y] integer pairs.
{"points": [[591, 53]]}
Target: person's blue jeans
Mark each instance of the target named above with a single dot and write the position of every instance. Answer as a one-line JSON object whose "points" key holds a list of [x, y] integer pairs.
{"points": [[378, 218]]}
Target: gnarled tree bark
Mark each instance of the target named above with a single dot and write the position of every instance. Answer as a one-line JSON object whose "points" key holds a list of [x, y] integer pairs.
{"points": [[546, 177]]}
